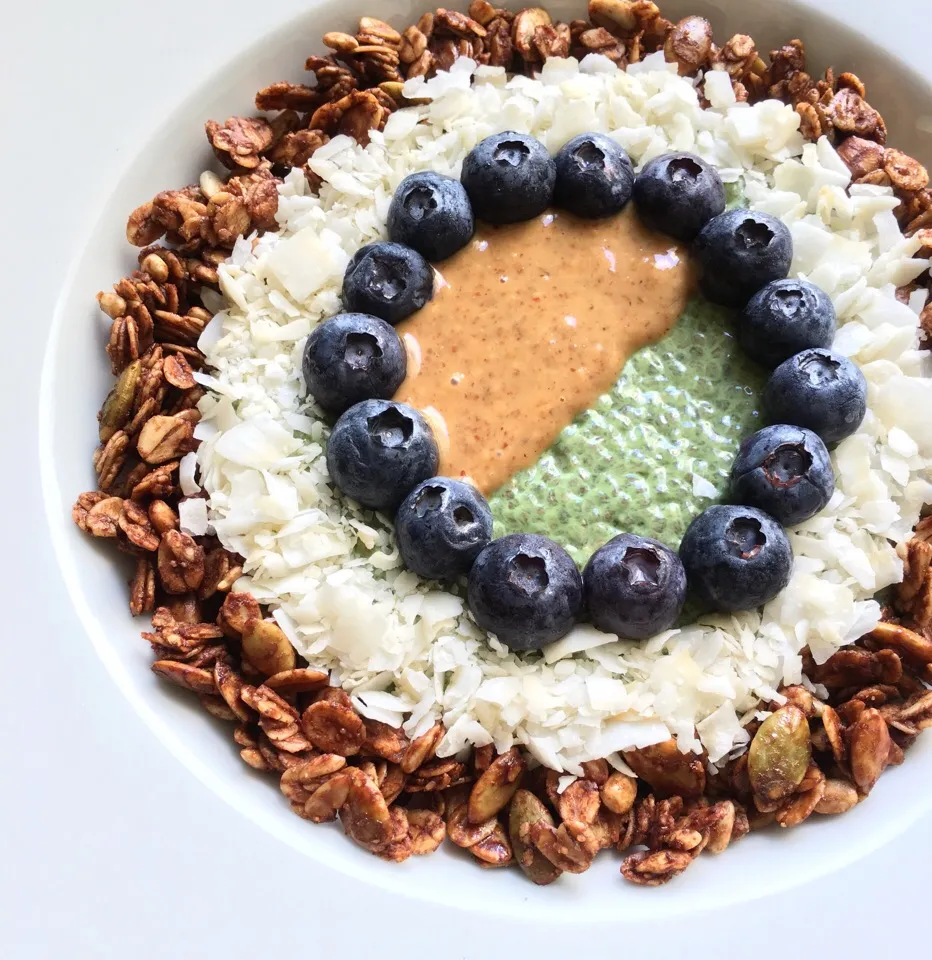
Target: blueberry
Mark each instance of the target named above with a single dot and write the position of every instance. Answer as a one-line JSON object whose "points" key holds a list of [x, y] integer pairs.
{"points": [[432, 214], [820, 390], [526, 590], [509, 177], [678, 194], [387, 280], [736, 558], [353, 357], [783, 318], [785, 471], [635, 587], [739, 251], [441, 528], [379, 451], [594, 177]]}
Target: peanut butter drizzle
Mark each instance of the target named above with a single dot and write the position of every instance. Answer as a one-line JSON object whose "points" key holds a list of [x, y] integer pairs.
{"points": [[530, 324]]}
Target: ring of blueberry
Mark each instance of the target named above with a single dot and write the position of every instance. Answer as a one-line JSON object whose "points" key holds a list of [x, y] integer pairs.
{"points": [[525, 588]]}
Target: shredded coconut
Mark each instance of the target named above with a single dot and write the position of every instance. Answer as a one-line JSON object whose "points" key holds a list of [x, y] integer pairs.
{"points": [[192, 515], [408, 651], [704, 488], [187, 470]]}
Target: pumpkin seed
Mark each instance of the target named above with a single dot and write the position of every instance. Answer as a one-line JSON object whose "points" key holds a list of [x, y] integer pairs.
{"points": [[779, 754], [527, 809], [118, 406]]}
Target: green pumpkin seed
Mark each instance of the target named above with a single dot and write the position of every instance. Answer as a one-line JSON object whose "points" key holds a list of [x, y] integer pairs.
{"points": [[118, 406], [526, 809], [779, 754]]}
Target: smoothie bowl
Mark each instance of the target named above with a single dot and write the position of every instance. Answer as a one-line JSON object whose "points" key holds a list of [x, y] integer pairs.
{"points": [[519, 439]]}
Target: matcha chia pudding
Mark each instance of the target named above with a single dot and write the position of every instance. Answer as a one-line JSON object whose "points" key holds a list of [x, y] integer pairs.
{"points": [[653, 451]]}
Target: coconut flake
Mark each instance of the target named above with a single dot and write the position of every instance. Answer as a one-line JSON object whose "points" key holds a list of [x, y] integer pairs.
{"points": [[719, 90], [261, 443], [581, 637], [192, 515], [565, 781], [187, 468], [703, 488], [620, 734], [306, 261]]}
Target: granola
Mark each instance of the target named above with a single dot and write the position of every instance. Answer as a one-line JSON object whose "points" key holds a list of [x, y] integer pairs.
{"points": [[394, 796]]}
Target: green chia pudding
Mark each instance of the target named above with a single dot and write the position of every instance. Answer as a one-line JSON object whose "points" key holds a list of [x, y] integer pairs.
{"points": [[626, 465]]}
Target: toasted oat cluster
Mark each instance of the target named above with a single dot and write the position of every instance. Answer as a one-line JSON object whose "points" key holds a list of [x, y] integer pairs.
{"points": [[393, 795]]}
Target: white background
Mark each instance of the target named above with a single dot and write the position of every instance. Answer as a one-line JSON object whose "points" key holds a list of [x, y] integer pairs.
{"points": [[108, 846]]}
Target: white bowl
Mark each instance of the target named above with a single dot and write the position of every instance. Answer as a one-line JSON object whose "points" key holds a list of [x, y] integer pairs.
{"points": [[97, 583]]}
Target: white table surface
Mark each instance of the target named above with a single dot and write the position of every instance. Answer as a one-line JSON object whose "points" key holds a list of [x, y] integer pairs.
{"points": [[108, 846]]}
